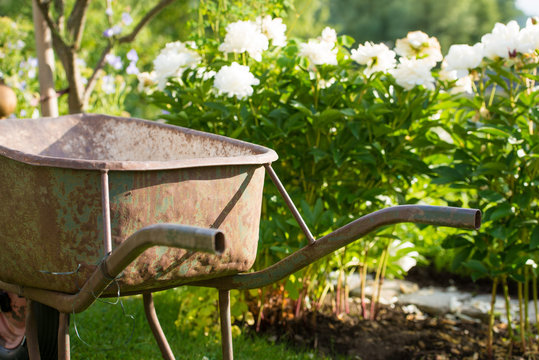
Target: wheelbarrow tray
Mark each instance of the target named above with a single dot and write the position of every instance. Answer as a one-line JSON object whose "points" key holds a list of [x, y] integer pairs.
{"points": [[51, 223]]}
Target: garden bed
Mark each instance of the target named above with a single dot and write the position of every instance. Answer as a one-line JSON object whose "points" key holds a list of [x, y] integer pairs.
{"points": [[398, 332]]}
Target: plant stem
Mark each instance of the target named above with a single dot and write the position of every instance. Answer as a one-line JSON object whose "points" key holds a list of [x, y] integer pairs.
{"points": [[261, 304], [521, 317], [534, 287], [338, 294], [526, 299], [383, 276], [377, 280], [491, 316], [507, 310], [363, 278], [376, 277]]}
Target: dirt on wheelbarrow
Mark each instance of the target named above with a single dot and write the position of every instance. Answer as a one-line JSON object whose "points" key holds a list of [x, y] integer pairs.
{"points": [[396, 334]]}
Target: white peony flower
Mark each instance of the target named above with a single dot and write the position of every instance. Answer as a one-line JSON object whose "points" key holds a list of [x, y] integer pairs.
{"points": [[529, 36], [418, 45], [274, 29], [244, 36], [172, 61], [377, 57], [463, 58], [235, 80], [146, 80], [410, 73], [462, 84], [329, 35], [503, 42], [319, 52], [204, 74]]}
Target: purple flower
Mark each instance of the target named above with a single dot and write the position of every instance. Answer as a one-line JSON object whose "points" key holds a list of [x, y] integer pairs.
{"points": [[114, 61], [132, 55], [115, 30], [132, 69], [107, 33], [126, 18], [108, 11]]}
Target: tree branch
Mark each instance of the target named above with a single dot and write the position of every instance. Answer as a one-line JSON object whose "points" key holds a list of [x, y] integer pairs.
{"points": [[149, 15], [100, 64], [124, 39], [59, 7], [44, 8], [58, 42], [76, 21]]}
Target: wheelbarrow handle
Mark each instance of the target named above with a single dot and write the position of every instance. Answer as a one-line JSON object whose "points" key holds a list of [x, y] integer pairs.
{"points": [[423, 214], [171, 235]]}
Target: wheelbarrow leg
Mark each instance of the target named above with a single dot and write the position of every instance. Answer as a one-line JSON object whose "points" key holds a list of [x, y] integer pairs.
{"points": [[226, 326], [64, 352], [31, 333], [153, 321]]}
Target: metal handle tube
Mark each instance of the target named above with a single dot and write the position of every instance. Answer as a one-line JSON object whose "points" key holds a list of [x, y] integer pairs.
{"points": [[173, 235], [432, 215]]}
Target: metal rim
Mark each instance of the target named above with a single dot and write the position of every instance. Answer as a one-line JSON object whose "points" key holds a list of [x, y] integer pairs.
{"points": [[262, 155]]}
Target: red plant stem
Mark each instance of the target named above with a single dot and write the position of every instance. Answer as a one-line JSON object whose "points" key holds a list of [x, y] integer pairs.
{"points": [[346, 298], [260, 304], [363, 279], [299, 302], [338, 295]]}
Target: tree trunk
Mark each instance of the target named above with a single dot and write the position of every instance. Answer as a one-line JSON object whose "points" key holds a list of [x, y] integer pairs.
{"points": [[45, 56]]}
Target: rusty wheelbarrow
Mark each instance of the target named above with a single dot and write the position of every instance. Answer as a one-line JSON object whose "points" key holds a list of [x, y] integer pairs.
{"points": [[95, 205]]}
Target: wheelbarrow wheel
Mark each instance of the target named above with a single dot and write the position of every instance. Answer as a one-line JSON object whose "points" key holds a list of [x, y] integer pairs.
{"points": [[47, 332]]}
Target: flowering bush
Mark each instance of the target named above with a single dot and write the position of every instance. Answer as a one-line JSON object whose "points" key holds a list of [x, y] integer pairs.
{"points": [[495, 143], [349, 136], [360, 128]]}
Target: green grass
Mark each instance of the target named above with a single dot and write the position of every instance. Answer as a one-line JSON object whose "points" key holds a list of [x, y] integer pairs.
{"points": [[110, 336]]}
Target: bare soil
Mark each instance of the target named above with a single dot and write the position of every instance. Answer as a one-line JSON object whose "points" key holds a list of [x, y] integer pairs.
{"points": [[394, 334]]}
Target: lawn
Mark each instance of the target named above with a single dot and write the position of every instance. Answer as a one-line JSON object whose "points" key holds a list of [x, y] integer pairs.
{"points": [[110, 334]]}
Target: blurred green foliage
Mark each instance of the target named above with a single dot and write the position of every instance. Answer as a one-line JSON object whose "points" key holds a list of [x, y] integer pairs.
{"points": [[452, 22]]}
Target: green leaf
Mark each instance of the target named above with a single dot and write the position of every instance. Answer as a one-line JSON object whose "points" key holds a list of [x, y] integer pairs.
{"points": [[534, 238], [237, 131], [477, 266], [346, 40], [501, 211], [330, 115], [493, 131], [317, 154], [293, 288], [491, 196], [299, 106], [455, 241], [492, 168], [460, 257]]}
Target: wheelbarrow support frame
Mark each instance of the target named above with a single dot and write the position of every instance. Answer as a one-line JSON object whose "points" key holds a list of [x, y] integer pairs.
{"points": [[316, 249]]}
